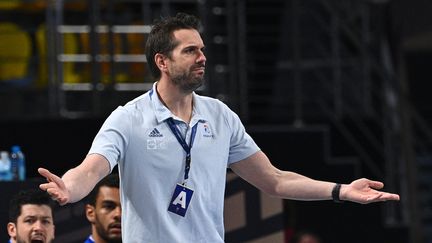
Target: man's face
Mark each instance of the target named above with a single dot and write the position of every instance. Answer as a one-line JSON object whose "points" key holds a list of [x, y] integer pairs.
{"points": [[106, 215], [35, 224], [187, 62]]}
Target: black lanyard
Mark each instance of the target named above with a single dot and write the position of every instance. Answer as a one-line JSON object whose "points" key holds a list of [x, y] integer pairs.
{"points": [[187, 148]]}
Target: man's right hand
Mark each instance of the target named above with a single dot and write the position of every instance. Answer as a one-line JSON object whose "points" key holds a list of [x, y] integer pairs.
{"points": [[55, 187]]}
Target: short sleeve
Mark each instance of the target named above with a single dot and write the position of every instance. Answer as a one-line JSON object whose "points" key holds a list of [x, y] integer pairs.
{"points": [[241, 143], [113, 137]]}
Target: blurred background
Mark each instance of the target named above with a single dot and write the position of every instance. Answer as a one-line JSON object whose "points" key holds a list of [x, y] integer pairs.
{"points": [[335, 90]]}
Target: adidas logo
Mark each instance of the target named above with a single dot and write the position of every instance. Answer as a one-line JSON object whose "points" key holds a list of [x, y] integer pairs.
{"points": [[155, 133]]}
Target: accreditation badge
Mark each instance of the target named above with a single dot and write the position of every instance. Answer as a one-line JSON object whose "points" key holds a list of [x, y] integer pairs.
{"points": [[180, 200]]}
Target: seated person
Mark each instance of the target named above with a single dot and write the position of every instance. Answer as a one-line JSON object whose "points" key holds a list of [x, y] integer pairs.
{"points": [[31, 217], [103, 211]]}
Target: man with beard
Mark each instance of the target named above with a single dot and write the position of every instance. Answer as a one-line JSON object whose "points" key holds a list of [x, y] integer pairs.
{"points": [[173, 147], [31, 217], [103, 211]]}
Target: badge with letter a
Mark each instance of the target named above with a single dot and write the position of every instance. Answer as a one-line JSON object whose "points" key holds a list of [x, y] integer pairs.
{"points": [[180, 200]]}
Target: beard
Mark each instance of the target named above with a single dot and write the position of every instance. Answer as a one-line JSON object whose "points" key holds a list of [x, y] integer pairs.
{"points": [[20, 240], [103, 233], [186, 81]]}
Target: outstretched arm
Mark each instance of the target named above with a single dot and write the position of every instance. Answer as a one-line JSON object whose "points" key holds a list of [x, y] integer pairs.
{"points": [[258, 171], [76, 183]]}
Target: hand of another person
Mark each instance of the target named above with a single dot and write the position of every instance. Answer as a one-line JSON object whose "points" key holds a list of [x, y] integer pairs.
{"points": [[55, 187], [365, 191]]}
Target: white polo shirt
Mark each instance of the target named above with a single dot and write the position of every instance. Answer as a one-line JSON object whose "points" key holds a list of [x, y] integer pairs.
{"points": [[151, 162]]}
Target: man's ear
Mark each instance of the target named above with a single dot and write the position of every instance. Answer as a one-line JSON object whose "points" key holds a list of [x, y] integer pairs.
{"points": [[160, 61], [11, 228], [90, 213]]}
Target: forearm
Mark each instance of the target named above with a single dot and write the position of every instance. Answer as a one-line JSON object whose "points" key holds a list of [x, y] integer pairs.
{"points": [[80, 180], [78, 184], [291, 185], [257, 170]]}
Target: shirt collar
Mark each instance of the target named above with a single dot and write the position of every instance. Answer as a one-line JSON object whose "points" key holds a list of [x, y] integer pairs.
{"points": [[162, 112]]}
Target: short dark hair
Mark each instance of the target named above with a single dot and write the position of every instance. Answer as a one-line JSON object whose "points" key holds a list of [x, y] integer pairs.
{"points": [[111, 180], [25, 197], [161, 39]]}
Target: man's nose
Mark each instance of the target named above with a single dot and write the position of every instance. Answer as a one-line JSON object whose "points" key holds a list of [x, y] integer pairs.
{"points": [[201, 57], [38, 226], [117, 212]]}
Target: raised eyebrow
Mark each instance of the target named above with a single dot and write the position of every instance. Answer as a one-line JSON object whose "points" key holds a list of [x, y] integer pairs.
{"points": [[31, 216], [194, 47], [36, 217], [45, 217], [48, 219], [108, 202]]}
